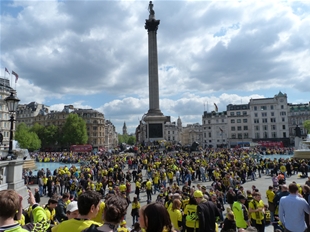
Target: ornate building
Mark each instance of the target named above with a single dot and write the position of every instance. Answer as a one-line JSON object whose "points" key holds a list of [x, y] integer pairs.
{"points": [[297, 114], [125, 129], [95, 122], [5, 91], [27, 112], [111, 137], [214, 126]]}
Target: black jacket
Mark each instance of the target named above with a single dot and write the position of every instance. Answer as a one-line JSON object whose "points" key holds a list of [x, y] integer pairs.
{"points": [[207, 213], [61, 211]]}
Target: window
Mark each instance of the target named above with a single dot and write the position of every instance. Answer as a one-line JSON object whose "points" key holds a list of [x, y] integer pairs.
{"points": [[256, 120], [264, 120], [283, 119], [209, 121], [264, 114], [257, 135], [282, 113], [256, 128], [282, 107], [244, 113], [273, 127], [272, 119], [232, 121], [284, 134], [205, 135], [274, 134], [263, 108], [233, 128], [238, 113], [272, 114], [168, 132], [239, 136], [245, 120], [238, 120], [246, 135], [283, 127], [256, 115], [210, 135], [265, 135], [245, 127], [239, 128], [255, 108], [233, 136], [232, 114], [271, 107], [222, 120], [265, 127]]}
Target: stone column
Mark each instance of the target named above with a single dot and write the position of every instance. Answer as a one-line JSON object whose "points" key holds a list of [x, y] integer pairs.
{"points": [[152, 25]]}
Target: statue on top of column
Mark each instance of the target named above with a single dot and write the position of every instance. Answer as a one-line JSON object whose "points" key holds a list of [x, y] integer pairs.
{"points": [[152, 12]]}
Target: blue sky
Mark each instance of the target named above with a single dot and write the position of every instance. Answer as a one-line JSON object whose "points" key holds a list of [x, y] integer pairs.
{"points": [[93, 54]]}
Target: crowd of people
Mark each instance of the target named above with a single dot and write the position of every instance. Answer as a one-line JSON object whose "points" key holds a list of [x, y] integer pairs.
{"points": [[80, 197]]}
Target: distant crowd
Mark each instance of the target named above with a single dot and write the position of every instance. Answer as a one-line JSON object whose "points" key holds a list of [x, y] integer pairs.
{"points": [[199, 191]]}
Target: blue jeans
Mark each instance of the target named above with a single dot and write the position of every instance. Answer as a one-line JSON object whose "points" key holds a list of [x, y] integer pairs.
{"points": [[41, 191]]}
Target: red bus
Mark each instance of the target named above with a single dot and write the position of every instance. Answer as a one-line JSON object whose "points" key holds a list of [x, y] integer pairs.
{"points": [[81, 148]]}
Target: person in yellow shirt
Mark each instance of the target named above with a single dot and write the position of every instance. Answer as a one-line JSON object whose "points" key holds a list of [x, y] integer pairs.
{"points": [[50, 210], [191, 217], [138, 186], [99, 217], [88, 205], [257, 212], [123, 227], [135, 206], [176, 215], [148, 190], [270, 196]]}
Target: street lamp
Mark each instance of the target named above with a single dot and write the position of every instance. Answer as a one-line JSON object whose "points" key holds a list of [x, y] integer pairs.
{"points": [[12, 103]]}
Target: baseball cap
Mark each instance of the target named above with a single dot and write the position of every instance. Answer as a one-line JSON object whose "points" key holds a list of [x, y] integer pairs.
{"points": [[73, 206], [241, 197], [198, 193]]}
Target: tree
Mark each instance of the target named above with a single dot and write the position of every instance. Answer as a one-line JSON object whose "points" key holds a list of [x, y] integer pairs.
{"points": [[306, 125], [74, 131], [131, 140], [128, 139], [26, 138]]}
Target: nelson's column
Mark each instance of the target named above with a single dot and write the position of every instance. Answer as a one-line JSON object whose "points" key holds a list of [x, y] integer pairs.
{"points": [[154, 119]]}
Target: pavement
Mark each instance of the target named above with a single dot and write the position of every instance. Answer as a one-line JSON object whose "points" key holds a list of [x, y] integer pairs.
{"points": [[261, 183]]}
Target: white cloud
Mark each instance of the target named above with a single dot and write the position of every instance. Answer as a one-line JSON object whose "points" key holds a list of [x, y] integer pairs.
{"points": [[94, 53]]}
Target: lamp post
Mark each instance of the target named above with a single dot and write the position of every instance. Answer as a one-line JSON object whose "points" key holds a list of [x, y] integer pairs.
{"points": [[12, 103]]}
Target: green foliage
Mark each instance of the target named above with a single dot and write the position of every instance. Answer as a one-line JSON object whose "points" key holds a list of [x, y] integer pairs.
{"points": [[26, 138], [131, 140], [306, 125], [74, 131], [128, 139], [49, 135]]}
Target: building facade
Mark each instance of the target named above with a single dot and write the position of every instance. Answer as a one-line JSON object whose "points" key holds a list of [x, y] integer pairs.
{"points": [[297, 114], [192, 133], [173, 131], [95, 121], [239, 125], [269, 119], [27, 112], [214, 129], [111, 136], [5, 91]]}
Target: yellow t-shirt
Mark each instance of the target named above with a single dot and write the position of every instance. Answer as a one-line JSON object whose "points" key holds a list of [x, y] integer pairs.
{"points": [[99, 217], [175, 217], [76, 225], [191, 216]]}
